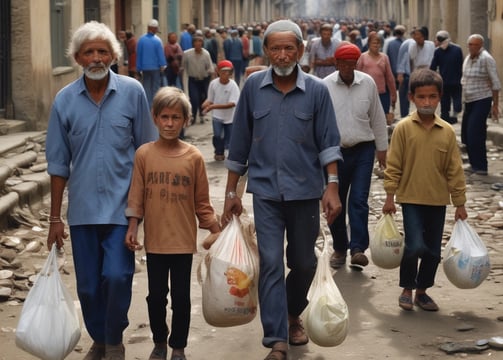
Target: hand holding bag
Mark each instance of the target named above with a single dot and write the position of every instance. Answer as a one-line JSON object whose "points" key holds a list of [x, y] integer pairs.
{"points": [[49, 326], [230, 294], [326, 316], [386, 246], [466, 260]]}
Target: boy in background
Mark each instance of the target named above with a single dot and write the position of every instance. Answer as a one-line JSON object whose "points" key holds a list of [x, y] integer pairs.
{"points": [[223, 95], [424, 170]]}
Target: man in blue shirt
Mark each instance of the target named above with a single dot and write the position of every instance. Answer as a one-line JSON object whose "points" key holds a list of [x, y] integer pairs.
{"points": [[96, 124], [150, 60], [285, 136]]}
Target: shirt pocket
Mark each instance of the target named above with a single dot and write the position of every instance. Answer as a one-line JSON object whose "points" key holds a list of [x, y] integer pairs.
{"points": [[441, 158], [300, 126], [76, 138], [259, 125], [120, 133]]}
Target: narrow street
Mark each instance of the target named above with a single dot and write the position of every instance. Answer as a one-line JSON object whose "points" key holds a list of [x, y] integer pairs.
{"points": [[379, 329]]}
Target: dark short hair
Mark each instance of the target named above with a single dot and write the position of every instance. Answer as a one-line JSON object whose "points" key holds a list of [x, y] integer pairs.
{"points": [[424, 77]]}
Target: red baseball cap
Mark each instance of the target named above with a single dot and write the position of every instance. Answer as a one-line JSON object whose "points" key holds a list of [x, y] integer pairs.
{"points": [[225, 65]]}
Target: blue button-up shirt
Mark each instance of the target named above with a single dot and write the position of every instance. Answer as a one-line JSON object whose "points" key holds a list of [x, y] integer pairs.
{"points": [[93, 146], [284, 140]]}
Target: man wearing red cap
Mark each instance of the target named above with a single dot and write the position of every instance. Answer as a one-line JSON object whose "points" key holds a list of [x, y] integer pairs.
{"points": [[223, 95], [362, 126]]}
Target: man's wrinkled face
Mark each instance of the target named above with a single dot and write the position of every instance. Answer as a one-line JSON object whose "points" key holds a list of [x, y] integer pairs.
{"points": [[95, 57], [283, 52]]}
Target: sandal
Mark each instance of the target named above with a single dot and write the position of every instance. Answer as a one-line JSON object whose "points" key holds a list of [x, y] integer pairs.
{"points": [[276, 354], [425, 302], [405, 302]]}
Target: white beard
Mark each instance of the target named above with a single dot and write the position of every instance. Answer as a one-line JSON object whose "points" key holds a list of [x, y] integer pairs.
{"points": [[284, 71], [96, 74]]}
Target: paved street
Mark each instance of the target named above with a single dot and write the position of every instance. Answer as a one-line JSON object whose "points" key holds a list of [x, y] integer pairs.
{"points": [[378, 328]]}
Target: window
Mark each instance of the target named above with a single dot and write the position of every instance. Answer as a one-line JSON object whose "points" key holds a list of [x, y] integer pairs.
{"points": [[60, 27]]}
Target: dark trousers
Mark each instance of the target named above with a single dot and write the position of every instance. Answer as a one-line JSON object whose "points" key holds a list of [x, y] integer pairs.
{"points": [[450, 92], [175, 268], [423, 227], [198, 92], [403, 96], [474, 132]]}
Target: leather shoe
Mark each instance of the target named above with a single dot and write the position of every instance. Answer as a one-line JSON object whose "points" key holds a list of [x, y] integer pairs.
{"points": [[296, 334]]}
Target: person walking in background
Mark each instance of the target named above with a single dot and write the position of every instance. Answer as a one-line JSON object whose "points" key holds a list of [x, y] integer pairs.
{"points": [[131, 50], [197, 65], [223, 95], [186, 36], [169, 225], [362, 124], [424, 181], [376, 64], [210, 44], [233, 48], [448, 59], [284, 135], [481, 86], [322, 52], [391, 48], [96, 124], [174, 54], [150, 60]]}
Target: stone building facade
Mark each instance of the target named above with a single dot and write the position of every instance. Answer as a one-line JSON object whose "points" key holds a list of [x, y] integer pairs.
{"points": [[34, 34]]}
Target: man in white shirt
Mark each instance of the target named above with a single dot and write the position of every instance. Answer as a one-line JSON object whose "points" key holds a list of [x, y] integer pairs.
{"points": [[362, 126]]}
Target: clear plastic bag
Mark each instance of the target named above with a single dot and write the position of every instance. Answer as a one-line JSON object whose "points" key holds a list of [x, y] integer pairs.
{"points": [[466, 260], [326, 317], [386, 246], [230, 295], [49, 326]]}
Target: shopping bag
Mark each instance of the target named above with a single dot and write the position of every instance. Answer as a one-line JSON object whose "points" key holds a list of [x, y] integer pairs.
{"points": [[466, 260], [386, 246], [230, 293], [49, 326], [326, 317]]}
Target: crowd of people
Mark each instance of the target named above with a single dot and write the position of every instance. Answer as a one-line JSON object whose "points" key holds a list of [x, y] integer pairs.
{"points": [[306, 127]]}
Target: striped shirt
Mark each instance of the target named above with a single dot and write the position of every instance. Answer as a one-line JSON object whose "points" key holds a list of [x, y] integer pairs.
{"points": [[480, 77]]}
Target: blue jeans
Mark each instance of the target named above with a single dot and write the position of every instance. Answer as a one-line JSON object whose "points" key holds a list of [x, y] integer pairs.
{"points": [[104, 269], [177, 269], [423, 227], [385, 99], [221, 136], [151, 80], [355, 174], [279, 298], [474, 132], [403, 96]]}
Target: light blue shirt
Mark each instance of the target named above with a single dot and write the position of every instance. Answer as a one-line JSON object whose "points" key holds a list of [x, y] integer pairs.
{"points": [[93, 146], [284, 140]]}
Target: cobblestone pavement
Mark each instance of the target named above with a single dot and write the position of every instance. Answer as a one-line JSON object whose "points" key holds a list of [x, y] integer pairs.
{"points": [[378, 328]]}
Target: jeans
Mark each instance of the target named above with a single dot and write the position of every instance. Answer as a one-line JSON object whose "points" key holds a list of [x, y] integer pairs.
{"points": [[221, 136], [177, 268], [151, 80], [198, 91], [385, 99], [355, 174], [450, 92], [279, 298], [423, 227], [403, 96], [104, 269], [474, 132]]}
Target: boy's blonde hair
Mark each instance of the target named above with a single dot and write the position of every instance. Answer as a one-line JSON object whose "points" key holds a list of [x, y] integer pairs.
{"points": [[170, 96]]}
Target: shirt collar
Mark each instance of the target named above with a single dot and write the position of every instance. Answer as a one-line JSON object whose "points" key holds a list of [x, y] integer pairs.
{"points": [[438, 121], [111, 86], [357, 79]]}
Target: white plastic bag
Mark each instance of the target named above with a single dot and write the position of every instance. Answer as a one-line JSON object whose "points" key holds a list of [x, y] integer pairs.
{"points": [[49, 326], [230, 293], [326, 317], [466, 260], [386, 246]]}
